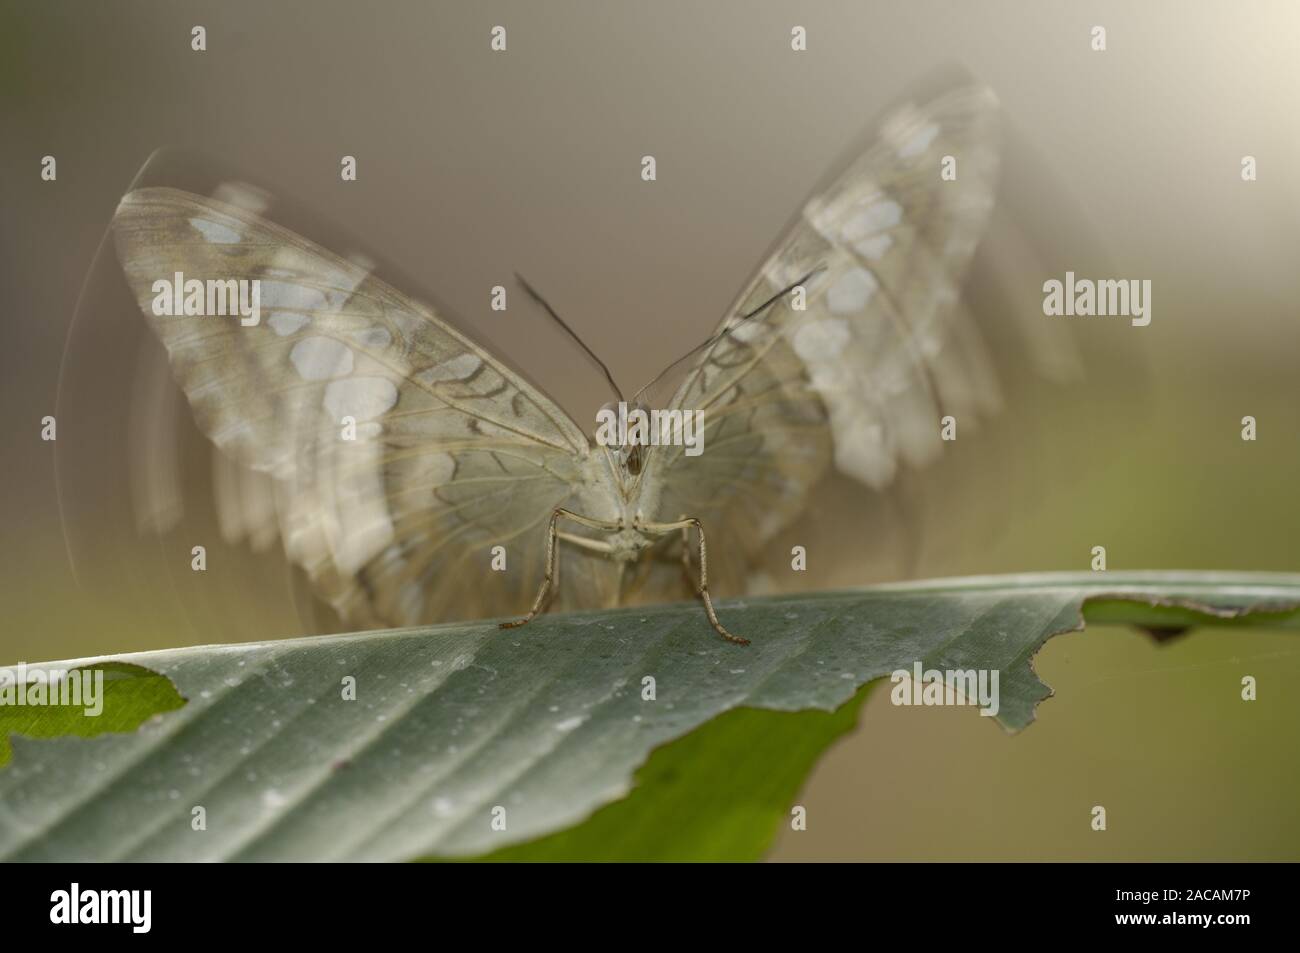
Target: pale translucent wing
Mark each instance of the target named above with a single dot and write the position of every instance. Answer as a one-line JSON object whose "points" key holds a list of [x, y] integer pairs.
{"points": [[883, 350], [451, 454]]}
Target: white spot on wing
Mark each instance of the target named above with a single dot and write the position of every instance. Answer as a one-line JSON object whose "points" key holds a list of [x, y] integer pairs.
{"points": [[320, 359], [215, 232], [456, 369], [360, 397], [918, 141], [287, 296], [862, 453], [872, 219], [749, 330], [285, 323], [851, 291], [821, 340], [243, 195], [874, 248]]}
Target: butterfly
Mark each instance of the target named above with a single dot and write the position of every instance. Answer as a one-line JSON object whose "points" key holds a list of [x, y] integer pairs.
{"points": [[404, 458]]}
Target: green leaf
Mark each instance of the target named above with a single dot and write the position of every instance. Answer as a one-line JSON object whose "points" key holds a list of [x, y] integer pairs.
{"points": [[716, 794], [131, 694], [547, 722]]}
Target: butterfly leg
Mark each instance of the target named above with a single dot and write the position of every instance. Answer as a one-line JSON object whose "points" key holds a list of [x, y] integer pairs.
{"points": [[551, 573], [702, 590], [686, 561], [551, 579]]}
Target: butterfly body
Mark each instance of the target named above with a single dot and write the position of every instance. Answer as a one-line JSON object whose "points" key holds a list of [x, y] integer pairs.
{"points": [[625, 543], [615, 498]]}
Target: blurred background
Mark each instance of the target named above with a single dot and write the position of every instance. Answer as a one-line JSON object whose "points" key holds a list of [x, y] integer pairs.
{"points": [[474, 165]]}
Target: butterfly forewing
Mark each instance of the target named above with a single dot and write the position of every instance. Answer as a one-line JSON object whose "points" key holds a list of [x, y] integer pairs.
{"points": [[881, 349], [401, 451]]}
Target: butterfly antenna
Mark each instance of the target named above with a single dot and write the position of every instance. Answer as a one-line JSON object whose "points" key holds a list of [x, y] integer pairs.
{"points": [[536, 296], [722, 334]]}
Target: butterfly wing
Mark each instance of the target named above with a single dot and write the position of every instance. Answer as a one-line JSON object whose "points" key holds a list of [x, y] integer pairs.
{"points": [[860, 377], [400, 451]]}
